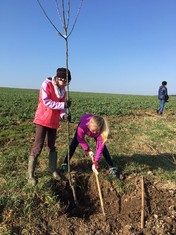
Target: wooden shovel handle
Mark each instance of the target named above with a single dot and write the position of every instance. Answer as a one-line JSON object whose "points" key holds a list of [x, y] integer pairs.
{"points": [[99, 190]]}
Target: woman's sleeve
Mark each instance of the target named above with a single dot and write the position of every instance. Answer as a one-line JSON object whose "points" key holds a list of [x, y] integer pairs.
{"points": [[48, 101], [63, 111]]}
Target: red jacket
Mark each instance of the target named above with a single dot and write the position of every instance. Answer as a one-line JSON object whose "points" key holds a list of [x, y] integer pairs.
{"points": [[50, 105]]}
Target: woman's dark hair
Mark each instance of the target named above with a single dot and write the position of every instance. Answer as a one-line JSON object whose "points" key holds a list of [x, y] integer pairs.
{"points": [[164, 83], [61, 73]]}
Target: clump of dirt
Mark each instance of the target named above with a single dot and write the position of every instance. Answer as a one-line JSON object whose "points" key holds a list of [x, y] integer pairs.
{"points": [[122, 205]]}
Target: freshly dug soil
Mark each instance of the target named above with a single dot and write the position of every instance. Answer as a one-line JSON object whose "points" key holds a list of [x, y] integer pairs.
{"points": [[122, 205]]}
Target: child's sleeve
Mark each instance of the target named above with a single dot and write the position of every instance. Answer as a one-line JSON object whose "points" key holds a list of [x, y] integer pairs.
{"points": [[99, 149], [81, 138]]}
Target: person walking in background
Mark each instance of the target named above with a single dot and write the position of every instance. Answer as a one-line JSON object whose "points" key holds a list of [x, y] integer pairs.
{"points": [[163, 97], [97, 128], [52, 105]]}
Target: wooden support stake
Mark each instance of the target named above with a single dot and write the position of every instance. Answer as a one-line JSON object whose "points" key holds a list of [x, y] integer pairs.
{"points": [[142, 203]]}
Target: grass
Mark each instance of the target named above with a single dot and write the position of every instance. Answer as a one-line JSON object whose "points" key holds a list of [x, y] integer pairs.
{"points": [[140, 142]]}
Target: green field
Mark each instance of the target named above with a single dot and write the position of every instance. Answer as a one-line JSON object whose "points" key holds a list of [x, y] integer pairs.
{"points": [[140, 142]]}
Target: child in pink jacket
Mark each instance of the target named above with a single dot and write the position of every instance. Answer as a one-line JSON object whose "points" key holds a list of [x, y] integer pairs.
{"points": [[51, 106], [95, 127]]}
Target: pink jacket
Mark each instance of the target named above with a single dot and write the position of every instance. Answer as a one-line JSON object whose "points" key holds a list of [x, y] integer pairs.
{"points": [[50, 105], [84, 130]]}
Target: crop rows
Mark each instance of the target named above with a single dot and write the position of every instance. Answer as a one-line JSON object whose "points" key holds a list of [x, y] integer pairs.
{"points": [[18, 105]]}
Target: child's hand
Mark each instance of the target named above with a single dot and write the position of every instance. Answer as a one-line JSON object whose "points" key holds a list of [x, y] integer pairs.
{"points": [[95, 167], [90, 153], [67, 104]]}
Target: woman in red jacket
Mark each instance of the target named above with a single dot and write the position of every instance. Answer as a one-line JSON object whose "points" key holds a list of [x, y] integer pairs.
{"points": [[51, 106]]}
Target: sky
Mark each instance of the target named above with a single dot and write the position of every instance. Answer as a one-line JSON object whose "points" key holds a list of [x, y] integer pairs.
{"points": [[116, 46]]}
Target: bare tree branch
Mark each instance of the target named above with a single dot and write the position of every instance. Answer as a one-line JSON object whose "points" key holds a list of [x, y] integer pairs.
{"points": [[63, 12], [64, 22], [50, 20], [79, 9], [59, 14], [68, 14]]}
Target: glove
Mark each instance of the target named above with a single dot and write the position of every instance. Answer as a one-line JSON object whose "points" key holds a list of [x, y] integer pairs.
{"points": [[67, 104], [95, 167], [90, 153], [67, 117]]}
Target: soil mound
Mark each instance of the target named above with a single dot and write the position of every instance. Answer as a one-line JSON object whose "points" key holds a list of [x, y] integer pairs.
{"points": [[122, 205]]}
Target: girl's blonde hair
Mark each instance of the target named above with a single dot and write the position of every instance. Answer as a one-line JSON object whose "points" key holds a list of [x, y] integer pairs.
{"points": [[103, 127]]}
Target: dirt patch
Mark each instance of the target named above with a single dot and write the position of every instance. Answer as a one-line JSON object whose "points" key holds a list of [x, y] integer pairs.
{"points": [[122, 205]]}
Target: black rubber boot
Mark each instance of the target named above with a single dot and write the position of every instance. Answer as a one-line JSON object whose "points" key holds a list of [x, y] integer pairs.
{"points": [[31, 168], [64, 168], [53, 165]]}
